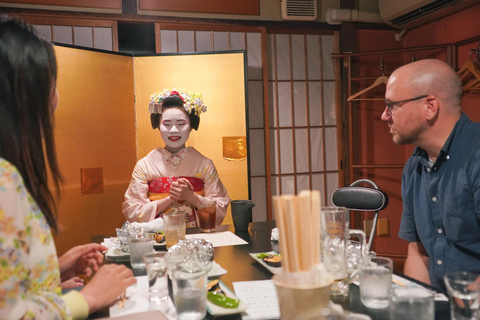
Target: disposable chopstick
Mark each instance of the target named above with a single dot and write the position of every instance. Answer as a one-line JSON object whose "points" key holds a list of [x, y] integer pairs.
{"points": [[316, 227], [303, 216], [280, 221], [290, 202]]}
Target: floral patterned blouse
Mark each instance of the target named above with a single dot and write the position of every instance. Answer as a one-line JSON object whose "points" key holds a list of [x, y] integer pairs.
{"points": [[29, 271]]}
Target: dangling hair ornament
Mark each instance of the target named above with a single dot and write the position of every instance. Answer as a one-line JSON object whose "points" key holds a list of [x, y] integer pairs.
{"points": [[192, 101]]}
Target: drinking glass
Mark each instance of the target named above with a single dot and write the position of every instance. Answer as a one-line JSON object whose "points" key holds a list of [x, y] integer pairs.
{"points": [[174, 223], [412, 303], [139, 245], [156, 266], [122, 235], [335, 235], [207, 214], [375, 277], [463, 291], [190, 294]]}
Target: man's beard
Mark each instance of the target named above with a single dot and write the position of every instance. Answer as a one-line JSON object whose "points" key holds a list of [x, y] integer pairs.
{"points": [[410, 138]]}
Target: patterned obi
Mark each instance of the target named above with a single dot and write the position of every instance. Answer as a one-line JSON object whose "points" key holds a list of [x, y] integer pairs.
{"points": [[159, 188]]}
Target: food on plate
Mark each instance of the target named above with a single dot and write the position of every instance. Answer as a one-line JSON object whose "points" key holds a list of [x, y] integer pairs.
{"points": [[217, 296], [159, 236], [272, 259]]}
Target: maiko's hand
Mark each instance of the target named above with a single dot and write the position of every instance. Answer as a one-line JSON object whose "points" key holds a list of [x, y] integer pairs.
{"points": [[182, 190]]}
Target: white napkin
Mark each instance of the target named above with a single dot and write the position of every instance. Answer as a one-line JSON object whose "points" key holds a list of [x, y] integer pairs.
{"points": [[152, 226], [138, 301], [274, 236]]}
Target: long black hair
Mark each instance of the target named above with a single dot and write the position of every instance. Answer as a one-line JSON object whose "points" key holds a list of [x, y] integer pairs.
{"points": [[174, 101], [28, 73]]}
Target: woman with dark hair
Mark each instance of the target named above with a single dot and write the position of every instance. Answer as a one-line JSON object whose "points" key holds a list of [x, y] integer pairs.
{"points": [[30, 273], [174, 177]]}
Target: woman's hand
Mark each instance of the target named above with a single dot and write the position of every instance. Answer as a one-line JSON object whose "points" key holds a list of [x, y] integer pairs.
{"points": [[81, 259], [72, 283], [110, 281], [182, 190]]}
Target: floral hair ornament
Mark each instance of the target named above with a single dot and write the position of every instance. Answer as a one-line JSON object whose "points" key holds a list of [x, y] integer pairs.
{"points": [[192, 101]]}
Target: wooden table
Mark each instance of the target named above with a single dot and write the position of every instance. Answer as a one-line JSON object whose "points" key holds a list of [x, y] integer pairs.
{"points": [[241, 267]]}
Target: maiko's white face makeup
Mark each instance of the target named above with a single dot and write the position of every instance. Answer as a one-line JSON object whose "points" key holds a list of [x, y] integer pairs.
{"points": [[174, 128]]}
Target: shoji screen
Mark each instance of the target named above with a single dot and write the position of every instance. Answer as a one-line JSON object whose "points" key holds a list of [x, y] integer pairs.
{"points": [[303, 119]]}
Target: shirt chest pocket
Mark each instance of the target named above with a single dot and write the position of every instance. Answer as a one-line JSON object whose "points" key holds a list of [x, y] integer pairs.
{"points": [[459, 217]]}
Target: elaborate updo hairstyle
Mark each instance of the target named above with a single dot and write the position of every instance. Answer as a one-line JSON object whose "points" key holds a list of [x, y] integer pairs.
{"points": [[174, 101]]}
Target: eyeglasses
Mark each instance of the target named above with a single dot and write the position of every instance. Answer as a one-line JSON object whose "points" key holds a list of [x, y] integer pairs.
{"points": [[390, 105]]}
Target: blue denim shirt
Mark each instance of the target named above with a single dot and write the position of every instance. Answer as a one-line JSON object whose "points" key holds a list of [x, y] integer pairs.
{"points": [[441, 204]]}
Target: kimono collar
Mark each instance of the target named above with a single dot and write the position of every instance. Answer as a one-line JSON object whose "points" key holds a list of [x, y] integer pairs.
{"points": [[174, 159]]}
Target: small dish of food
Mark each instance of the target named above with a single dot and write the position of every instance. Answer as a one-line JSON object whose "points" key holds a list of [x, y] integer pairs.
{"points": [[221, 300], [271, 260]]}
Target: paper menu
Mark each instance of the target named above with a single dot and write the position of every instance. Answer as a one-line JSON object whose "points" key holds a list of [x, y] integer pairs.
{"points": [[260, 297], [219, 239]]}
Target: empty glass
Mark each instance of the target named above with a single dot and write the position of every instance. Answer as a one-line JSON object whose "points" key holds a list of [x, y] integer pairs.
{"points": [[335, 235], [463, 291], [156, 266]]}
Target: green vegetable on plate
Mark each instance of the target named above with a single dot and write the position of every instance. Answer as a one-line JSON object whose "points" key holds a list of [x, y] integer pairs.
{"points": [[222, 300]]}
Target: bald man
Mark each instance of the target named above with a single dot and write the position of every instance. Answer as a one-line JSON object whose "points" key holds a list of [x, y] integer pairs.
{"points": [[441, 180]]}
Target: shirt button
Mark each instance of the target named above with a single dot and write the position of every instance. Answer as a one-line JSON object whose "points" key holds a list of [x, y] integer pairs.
{"points": [[439, 262], [448, 157], [428, 169], [434, 199], [439, 231]]}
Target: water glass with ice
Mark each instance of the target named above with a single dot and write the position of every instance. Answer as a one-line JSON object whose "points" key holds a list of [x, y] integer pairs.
{"points": [[375, 278], [156, 266], [463, 291], [139, 245], [190, 294], [412, 303]]}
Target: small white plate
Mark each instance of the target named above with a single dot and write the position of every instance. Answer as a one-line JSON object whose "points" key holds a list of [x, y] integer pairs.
{"points": [[215, 310], [118, 255], [273, 270], [216, 272]]}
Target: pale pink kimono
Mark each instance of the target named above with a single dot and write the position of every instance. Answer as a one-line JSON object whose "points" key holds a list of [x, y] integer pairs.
{"points": [[159, 163]]}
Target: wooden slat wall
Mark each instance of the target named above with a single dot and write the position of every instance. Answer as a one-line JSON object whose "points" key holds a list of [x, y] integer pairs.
{"points": [[96, 4], [246, 7]]}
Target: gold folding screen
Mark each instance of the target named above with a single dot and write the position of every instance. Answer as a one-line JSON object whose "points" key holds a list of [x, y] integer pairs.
{"points": [[100, 125]]}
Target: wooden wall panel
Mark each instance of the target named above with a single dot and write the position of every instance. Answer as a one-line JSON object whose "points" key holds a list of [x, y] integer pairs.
{"points": [[244, 7], [95, 4]]}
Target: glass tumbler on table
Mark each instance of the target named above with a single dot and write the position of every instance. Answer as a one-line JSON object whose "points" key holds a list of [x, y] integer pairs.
{"points": [[156, 266], [123, 237], [463, 291], [175, 225], [139, 245], [375, 278], [207, 215], [412, 303], [190, 294]]}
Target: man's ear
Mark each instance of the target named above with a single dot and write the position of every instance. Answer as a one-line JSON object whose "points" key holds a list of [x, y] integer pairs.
{"points": [[432, 104]]}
